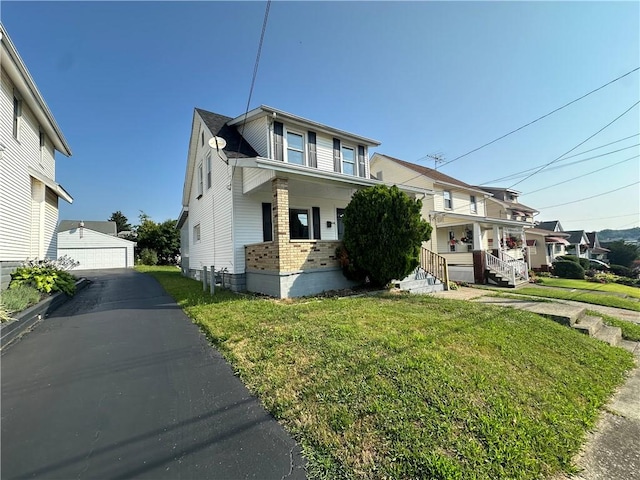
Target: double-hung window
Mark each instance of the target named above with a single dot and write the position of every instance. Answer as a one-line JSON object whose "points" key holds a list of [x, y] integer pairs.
{"points": [[348, 160], [473, 203], [196, 233], [448, 203], [200, 180], [295, 148], [17, 114], [208, 160]]}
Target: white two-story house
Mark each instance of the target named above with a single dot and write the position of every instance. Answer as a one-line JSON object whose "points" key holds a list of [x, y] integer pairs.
{"points": [[263, 200], [29, 138], [478, 243]]}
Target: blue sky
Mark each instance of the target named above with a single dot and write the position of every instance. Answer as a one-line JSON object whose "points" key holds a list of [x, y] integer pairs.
{"points": [[122, 79]]}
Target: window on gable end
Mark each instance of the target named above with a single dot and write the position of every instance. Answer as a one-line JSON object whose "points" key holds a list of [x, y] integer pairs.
{"points": [[196, 233], [208, 170], [199, 180], [17, 115]]}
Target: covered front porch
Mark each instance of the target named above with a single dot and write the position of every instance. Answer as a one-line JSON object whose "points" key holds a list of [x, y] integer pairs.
{"points": [[301, 216], [472, 245]]}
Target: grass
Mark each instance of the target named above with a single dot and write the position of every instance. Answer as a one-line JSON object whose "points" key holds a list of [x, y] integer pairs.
{"points": [[626, 290], [18, 298], [412, 386], [630, 330], [581, 296]]}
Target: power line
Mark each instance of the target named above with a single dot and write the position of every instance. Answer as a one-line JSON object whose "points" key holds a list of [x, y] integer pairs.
{"points": [[543, 116], [517, 174], [593, 196], [584, 175], [581, 143], [253, 82], [601, 218], [524, 172]]}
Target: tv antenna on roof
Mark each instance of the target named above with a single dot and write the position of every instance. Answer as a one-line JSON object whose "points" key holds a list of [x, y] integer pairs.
{"points": [[437, 158]]}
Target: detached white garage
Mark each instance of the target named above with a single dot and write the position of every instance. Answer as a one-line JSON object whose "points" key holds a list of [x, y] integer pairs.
{"points": [[95, 250]]}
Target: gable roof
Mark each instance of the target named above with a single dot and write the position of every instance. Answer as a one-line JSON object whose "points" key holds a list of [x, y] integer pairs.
{"points": [[26, 86], [576, 236], [435, 175], [108, 228], [553, 225], [237, 147]]}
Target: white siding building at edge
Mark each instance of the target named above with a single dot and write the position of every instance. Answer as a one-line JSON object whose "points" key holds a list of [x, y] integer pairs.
{"points": [[95, 249]]}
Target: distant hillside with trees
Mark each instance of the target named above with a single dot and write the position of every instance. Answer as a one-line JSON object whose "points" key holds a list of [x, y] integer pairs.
{"points": [[611, 235]]}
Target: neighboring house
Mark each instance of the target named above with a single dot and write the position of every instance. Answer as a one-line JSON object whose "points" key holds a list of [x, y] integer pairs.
{"points": [[504, 204], [595, 250], [94, 244], [267, 206], [476, 245], [578, 243], [29, 194], [544, 246]]}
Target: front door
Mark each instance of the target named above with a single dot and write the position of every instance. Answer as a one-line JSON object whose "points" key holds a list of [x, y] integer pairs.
{"points": [[340, 222]]}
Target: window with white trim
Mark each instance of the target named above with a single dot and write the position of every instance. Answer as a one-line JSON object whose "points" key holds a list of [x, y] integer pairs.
{"points": [[17, 116], [473, 203], [295, 148], [208, 161], [348, 160], [199, 180], [196, 233], [448, 203]]}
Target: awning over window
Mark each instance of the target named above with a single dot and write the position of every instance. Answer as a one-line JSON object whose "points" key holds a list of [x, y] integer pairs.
{"points": [[55, 187], [557, 240]]}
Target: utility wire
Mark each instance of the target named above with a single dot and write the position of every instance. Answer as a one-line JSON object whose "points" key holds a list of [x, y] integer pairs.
{"points": [[540, 118], [253, 82], [581, 143], [601, 218], [524, 172], [593, 196], [580, 176]]}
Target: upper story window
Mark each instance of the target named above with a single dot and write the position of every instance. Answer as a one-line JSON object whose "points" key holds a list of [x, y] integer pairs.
{"points": [[196, 233], [448, 203], [17, 115], [295, 148], [199, 181], [473, 203], [348, 160], [208, 160]]}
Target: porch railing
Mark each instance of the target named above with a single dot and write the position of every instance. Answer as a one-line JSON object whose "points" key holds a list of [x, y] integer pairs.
{"points": [[512, 269], [435, 265]]}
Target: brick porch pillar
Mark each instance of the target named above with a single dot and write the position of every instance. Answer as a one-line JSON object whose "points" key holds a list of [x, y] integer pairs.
{"points": [[280, 207]]}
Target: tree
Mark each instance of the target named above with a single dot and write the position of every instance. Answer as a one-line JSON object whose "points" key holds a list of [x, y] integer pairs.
{"points": [[383, 233], [622, 253], [162, 238], [122, 223]]}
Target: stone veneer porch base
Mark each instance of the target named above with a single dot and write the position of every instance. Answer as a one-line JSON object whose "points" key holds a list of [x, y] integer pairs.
{"points": [[298, 283]]}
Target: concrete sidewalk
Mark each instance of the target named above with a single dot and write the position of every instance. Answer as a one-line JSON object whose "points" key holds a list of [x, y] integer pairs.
{"points": [[612, 450]]}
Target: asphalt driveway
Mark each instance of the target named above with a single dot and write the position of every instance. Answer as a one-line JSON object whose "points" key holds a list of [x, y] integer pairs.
{"points": [[118, 383]]}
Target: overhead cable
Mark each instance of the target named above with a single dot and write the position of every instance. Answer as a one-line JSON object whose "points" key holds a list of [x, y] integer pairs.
{"points": [[593, 196]]}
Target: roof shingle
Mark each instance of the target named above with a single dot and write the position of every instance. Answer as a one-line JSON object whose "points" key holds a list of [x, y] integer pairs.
{"points": [[237, 147]]}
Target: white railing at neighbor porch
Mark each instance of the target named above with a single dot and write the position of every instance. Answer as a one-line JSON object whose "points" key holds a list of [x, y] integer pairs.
{"points": [[511, 269]]}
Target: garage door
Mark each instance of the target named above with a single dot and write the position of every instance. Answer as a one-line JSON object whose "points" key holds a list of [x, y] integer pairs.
{"points": [[94, 258]]}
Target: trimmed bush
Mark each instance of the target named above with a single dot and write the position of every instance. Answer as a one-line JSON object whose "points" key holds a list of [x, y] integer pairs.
{"points": [[621, 270], [20, 297], [568, 269], [569, 258], [148, 257]]}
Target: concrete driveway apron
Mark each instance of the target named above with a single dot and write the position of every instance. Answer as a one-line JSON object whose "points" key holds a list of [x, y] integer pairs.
{"points": [[118, 383]]}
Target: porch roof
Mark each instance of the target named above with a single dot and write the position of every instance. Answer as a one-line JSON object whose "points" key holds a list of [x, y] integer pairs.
{"points": [[486, 222], [563, 241], [300, 172]]}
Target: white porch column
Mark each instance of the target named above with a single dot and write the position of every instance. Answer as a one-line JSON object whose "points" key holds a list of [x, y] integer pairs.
{"points": [[477, 237], [496, 237]]}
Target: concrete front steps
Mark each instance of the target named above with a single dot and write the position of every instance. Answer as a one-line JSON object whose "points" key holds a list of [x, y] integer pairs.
{"points": [[569, 315], [420, 282], [497, 279]]}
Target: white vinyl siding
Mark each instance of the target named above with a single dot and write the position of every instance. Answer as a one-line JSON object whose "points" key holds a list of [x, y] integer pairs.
{"points": [[256, 133], [50, 224], [254, 177], [325, 152]]}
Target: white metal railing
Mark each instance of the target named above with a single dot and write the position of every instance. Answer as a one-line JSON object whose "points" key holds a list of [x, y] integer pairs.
{"points": [[512, 269]]}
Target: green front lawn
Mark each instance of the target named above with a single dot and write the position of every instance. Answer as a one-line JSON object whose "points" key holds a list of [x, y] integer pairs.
{"points": [[584, 285], [581, 296], [412, 386]]}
